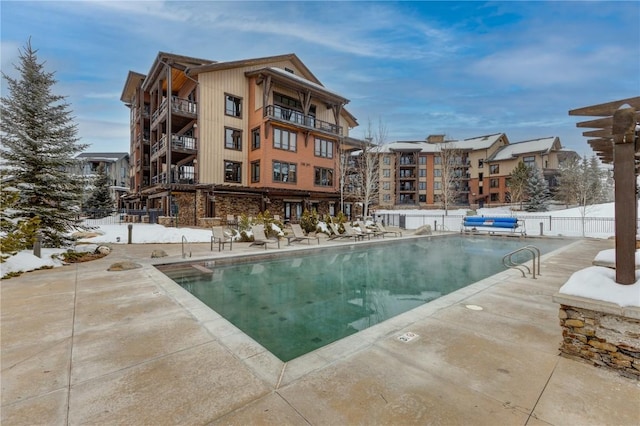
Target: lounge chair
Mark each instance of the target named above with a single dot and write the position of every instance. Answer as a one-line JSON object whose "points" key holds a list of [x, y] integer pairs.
{"points": [[221, 238], [368, 232], [260, 238], [336, 232], [356, 234], [384, 231], [298, 235]]}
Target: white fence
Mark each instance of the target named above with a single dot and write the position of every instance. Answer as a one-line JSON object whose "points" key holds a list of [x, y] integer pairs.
{"points": [[601, 227]]}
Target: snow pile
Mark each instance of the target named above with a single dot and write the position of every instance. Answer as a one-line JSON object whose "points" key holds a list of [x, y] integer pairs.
{"points": [[599, 283]]}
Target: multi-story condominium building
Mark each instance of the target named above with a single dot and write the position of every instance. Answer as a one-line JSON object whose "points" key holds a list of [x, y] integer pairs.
{"points": [[412, 172], [116, 165], [209, 139]]}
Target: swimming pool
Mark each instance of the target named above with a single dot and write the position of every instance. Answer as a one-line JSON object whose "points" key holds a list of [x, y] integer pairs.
{"points": [[297, 302]]}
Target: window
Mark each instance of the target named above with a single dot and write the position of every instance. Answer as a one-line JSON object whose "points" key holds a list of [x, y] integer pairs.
{"points": [[284, 139], [255, 138], [386, 197], [422, 160], [494, 183], [386, 186], [233, 138], [323, 177], [494, 169], [422, 198], [480, 190], [480, 177], [284, 172], [232, 171], [422, 186], [437, 186], [495, 197], [324, 148], [386, 173], [386, 160], [437, 160], [422, 172], [233, 106], [481, 163], [437, 172], [529, 161], [255, 171]]}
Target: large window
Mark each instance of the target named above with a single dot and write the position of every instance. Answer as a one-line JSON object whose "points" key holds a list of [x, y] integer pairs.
{"points": [[255, 138], [437, 185], [437, 172], [233, 106], [422, 186], [255, 171], [323, 177], [437, 159], [529, 161], [494, 169], [284, 139], [494, 183], [422, 160], [422, 172], [495, 197], [233, 138], [324, 148], [481, 163], [232, 171], [284, 172], [386, 186], [386, 173], [386, 160]]}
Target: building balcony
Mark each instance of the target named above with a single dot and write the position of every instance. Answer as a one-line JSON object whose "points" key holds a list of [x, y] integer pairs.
{"points": [[179, 176], [185, 144], [179, 106], [287, 115]]}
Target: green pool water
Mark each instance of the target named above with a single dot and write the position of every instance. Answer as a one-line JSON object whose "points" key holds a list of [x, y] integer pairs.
{"points": [[298, 302]]}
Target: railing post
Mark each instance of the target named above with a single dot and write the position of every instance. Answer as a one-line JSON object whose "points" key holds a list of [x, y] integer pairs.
{"points": [[541, 228], [130, 232], [37, 245]]}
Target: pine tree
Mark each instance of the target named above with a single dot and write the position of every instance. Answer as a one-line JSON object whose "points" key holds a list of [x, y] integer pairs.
{"points": [[100, 199], [538, 192], [39, 144]]}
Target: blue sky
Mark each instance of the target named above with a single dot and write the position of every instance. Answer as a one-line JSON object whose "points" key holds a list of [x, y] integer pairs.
{"points": [[463, 69]]}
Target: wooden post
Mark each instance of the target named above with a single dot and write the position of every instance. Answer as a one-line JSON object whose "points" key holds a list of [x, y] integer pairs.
{"points": [[625, 194]]}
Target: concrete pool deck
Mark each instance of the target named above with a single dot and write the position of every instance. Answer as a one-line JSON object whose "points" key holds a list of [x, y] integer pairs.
{"points": [[84, 345]]}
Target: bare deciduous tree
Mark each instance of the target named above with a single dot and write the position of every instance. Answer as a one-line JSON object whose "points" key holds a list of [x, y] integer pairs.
{"points": [[452, 164]]}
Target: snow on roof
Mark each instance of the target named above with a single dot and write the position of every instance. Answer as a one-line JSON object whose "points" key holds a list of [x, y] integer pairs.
{"points": [[303, 80], [510, 151], [479, 142], [103, 156]]}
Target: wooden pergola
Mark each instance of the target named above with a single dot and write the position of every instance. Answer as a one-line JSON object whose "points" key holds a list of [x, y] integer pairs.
{"points": [[616, 142]]}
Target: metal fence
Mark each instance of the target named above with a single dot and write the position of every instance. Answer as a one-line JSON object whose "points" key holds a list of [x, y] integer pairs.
{"points": [[575, 226], [101, 217]]}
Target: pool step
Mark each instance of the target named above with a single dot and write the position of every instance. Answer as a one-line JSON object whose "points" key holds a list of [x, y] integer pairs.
{"points": [[202, 269]]}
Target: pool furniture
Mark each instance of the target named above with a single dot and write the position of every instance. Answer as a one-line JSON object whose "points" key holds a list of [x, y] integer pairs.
{"points": [[298, 235], [383, 231], [493, 224], [220, 237], [231, 220], [349, 231], [336, 232], [260, 237]]}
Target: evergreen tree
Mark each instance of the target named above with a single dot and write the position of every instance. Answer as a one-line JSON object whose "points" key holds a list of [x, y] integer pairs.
{"points": [[538, 192], [100, 199], [39, 144], [518, 183], [569, 181]]}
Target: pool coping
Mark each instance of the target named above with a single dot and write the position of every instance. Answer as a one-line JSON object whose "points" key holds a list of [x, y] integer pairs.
{"points": [[276, 373]]}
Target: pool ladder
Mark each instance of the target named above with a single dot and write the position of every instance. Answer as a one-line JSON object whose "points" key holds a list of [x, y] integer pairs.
{"points": [[185, 242], [507, 261]]}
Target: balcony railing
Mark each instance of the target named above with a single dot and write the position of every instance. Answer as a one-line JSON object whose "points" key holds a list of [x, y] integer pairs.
{"points": [[178, 105], [293, 116], [180, 176]]}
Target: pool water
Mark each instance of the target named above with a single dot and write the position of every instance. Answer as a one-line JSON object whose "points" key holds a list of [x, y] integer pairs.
{"points": [[300, 302]]}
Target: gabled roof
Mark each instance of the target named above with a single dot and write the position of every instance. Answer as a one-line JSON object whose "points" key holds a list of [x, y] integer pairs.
{"points": [[535, 146], [479, 142], [102, 156]]}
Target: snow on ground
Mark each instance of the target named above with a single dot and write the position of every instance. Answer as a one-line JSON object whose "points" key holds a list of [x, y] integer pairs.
{"points": [[598, 283]]}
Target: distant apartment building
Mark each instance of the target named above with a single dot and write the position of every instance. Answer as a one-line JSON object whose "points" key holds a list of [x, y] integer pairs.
{"points": [[411, 172], [116, 165], [209, 139]]}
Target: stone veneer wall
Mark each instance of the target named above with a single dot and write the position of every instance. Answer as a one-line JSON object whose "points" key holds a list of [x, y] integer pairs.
{"points": [[604, 339]]}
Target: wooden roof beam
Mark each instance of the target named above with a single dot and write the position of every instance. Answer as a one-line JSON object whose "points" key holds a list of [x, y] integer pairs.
{"points": [[602, 110]]}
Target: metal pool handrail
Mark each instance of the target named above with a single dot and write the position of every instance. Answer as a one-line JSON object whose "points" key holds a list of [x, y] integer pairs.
{"points": [[184, 241], [509, 263]]}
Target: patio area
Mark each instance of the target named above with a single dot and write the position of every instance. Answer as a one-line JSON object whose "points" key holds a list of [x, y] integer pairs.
{"points": [[81, 344]]}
